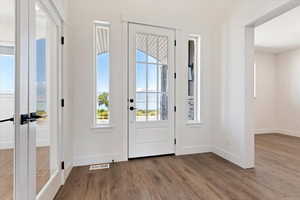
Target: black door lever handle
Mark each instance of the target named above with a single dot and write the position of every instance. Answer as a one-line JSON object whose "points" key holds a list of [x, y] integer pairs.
{"points": [[131, 108], [7, 120], [34, 117], [25, 118]]}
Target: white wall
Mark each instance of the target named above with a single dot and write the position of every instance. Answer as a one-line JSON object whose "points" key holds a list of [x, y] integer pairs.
{"points": [[234, 139], [265, 101], [288, 92], [277, 104], [199, 17]]}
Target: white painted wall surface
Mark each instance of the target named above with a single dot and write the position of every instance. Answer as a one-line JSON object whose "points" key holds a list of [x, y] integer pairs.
{"points": [[277, 104], [288, 92], [266, 92], [199, 17], [233, 139]]}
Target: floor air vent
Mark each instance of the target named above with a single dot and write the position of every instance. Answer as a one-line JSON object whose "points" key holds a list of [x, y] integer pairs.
{"points": [[99, 166]]}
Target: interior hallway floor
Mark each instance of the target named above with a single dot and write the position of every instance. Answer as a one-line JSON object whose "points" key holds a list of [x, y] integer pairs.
{"points": [[201, 176]]}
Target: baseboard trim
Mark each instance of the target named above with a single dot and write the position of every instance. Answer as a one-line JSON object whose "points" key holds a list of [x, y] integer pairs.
{"points": [[265, 131], [228, 156], [67, 171], [280, 131], [194, 150], [96, 159], [289, 132]]}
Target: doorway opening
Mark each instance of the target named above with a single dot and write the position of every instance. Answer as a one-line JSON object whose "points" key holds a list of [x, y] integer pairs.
{"points": [[266, 41]]}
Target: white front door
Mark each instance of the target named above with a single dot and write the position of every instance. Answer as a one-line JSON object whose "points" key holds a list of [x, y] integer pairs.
{"points": [[151, 91]]}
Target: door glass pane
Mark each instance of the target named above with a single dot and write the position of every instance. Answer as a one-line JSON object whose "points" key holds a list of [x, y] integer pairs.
{"points": [[152, 106], [7, 98], [141, 77], [141, 106], [162, 106], [46, 93], [151, 77], [163, 78]]}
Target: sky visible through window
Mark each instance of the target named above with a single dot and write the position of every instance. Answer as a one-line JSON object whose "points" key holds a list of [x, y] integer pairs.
{"points": [[103, 73], [41, 75], [7, 64]]}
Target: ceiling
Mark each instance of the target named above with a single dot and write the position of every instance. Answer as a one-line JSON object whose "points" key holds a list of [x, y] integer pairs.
{"points": [[280, 34]]}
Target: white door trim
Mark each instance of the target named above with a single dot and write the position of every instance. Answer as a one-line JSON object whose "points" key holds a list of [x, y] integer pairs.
{"points": [[21, 100]]}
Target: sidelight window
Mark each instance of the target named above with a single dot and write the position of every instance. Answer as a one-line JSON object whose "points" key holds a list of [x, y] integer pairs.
{"points": [[102, 73], [193, 100]]}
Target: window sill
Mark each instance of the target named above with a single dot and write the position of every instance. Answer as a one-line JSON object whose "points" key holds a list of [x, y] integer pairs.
{"points": [[194, 124], [102, 126]]}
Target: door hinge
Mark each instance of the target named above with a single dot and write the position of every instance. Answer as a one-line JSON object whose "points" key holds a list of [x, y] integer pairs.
{"points": [[62, 40], [62, 165], [175, 142], [175, 108], [62, 103], [175, 43], [175, 75]]}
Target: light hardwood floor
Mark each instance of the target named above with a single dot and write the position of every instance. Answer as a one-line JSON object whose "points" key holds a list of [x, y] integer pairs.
{"points": [[202, 176], [6, 171]]}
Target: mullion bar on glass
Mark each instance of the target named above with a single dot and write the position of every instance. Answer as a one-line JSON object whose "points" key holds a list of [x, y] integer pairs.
{"points": [[157, 87], [146, 62], [147, 38]]}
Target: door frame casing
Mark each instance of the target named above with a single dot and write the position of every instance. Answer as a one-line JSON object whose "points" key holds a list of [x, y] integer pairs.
{"points": [[126, 65], [21, 72]]}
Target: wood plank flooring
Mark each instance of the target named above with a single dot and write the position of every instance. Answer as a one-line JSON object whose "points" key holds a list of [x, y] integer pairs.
{"points": [[193, 177], [7, 170]]}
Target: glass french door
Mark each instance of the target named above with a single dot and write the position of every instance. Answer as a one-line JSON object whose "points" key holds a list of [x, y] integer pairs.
{"points": [[7, 99], [44, 95], [29, 94], [151, 91]]}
